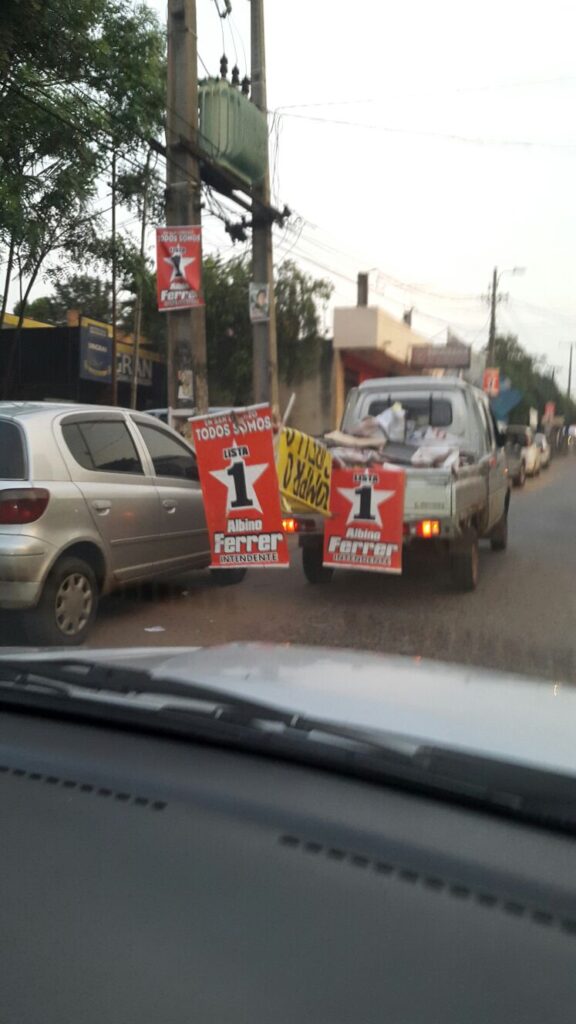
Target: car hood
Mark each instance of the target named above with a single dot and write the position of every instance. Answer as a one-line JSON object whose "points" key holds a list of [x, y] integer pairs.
{"points": [[464, 708]]}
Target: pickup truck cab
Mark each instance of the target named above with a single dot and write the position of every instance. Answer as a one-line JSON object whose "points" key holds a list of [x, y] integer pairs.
{"points": [[468, 502]]}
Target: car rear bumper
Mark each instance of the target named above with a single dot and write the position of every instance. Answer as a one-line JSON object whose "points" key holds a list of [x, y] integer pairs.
{"points": [[24, 564]]}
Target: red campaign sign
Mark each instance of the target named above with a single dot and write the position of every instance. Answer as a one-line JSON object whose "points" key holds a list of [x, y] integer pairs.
{"points": [[240, 488], [366, 521], [179, 267], [491, 381]]}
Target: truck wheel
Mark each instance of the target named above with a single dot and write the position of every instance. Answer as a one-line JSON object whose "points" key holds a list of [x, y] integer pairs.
{"points": [[499, 535], [521, 478], [464, 566], [227, 577], [314, 571], [67, 608]]}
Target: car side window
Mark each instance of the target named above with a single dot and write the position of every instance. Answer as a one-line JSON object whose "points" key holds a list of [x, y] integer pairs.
{"points": [[170, 457], [102, 446]]}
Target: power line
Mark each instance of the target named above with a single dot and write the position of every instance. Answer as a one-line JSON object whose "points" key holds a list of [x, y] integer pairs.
{"points": [[447, 136]]}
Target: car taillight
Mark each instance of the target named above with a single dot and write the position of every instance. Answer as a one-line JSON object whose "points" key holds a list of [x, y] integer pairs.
{"points": [[25, 505]]}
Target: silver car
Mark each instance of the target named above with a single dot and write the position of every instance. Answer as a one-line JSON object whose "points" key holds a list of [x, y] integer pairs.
{"points": [[92, 499]]}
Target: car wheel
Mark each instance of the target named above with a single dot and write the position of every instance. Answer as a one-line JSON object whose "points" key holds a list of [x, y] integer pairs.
{"points": [[521, 478], [314, 571], [67, 608], [499, 535], [464, 567], [227, 577]]}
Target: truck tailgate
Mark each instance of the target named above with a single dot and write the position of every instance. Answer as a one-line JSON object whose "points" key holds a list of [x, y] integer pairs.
{"points": [[442, 493]]}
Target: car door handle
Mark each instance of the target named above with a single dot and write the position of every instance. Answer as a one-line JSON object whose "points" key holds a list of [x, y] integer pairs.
{"points": [[170, 506], [102, 507]]}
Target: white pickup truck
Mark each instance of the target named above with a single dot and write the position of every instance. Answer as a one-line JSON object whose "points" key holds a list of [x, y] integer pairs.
{"points": [[465, 503]]}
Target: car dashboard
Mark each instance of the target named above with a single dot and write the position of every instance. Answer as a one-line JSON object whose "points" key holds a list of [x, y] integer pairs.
{"points": [[145, 879]]}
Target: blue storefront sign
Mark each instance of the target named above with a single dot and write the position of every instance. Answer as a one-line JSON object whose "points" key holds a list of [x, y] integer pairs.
{"points": [[95, 354]]}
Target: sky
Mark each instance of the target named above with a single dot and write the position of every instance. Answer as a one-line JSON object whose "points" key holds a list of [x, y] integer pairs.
{"points": [[425, 143]]}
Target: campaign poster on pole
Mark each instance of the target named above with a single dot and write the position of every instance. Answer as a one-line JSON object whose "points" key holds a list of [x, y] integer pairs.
{"points": [[259, 296], [237, 469], [366, 525], [179, 267]]}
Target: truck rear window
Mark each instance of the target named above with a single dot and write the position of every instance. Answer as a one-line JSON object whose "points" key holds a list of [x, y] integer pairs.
{"points": [[426, 411], [12, 457]]}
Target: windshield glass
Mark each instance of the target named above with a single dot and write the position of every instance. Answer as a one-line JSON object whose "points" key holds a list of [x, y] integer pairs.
{"points": [[362, 428]]}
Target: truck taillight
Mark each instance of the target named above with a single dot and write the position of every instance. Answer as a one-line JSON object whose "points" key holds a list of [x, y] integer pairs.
{"points": [[427, 528], [22, 505], [289, 525]]}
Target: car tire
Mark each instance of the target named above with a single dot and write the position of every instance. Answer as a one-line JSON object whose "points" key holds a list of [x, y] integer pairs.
{"points": [[314, 571], [227, 577], [464, 567], [521, 478], [499, 535], [67, 608]]}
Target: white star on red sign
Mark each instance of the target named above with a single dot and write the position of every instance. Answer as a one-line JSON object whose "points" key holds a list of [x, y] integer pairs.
{"points": [[184, 262], [378, 498], [251, 475]]}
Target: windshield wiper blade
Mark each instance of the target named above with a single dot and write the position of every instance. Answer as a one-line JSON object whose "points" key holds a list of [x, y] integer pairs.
{"points": [[143, 691], [134, 698]]}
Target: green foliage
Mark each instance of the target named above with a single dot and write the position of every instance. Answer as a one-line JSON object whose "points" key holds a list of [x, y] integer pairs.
{"points": [[77, 78], [229, 331], [88, 294], [530, 376]]}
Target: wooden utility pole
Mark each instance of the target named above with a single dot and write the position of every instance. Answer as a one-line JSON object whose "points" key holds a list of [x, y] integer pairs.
{"points": [[186, 327], [114, 380], [265, 356]]}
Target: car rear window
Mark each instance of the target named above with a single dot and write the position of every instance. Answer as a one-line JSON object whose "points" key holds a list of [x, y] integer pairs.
{"points": [[102, 446], [12, 455]]}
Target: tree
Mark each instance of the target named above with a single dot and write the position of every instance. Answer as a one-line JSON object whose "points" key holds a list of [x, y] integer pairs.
{"points": [[532, 378], [78, 79], [229, 331], [90, 295]]}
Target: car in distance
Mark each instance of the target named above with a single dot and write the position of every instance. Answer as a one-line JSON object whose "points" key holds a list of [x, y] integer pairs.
{"points": [[545, 450], [92, 499], [530, 450]]}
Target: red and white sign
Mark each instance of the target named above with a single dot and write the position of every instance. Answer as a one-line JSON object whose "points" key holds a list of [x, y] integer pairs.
{"points": [[491, 381], [179, 267], [366, 524], [549, 412], [240, 488]]}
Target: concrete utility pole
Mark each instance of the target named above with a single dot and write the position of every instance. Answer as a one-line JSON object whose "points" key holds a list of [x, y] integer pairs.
{"points": [[493, 302], [494, 298], [570, 373], [186, 327], [265, 355]]}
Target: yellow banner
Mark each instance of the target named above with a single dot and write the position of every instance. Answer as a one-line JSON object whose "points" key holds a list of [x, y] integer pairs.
{"points": [[304, 471]]}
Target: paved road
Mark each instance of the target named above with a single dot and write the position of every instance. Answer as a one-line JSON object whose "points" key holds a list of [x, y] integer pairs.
{"points": [[521, 618]]}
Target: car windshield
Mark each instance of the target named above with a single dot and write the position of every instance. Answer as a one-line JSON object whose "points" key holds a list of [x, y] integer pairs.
{"points": [[234, 411]]}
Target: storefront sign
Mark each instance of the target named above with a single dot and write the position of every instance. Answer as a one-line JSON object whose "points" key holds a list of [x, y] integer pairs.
{"points": [[179, 267], [367, 520], [240, 488], [447, 357], [304, 471], [95, 353], [124, 369]]}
